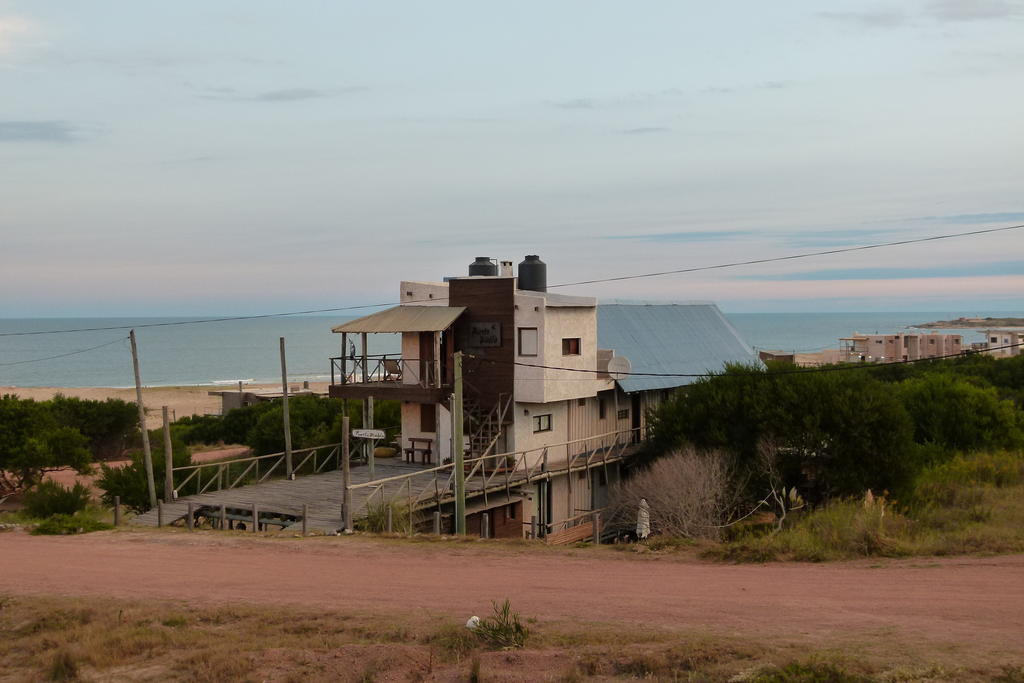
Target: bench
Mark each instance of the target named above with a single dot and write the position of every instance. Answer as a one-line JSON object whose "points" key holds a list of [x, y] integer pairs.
{"points": [[425, 451]]}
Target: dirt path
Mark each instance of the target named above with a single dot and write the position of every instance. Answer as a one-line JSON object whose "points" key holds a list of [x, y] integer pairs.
{"points": [[971, 602]]}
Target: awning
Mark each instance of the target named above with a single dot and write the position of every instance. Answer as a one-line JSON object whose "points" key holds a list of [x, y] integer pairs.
{"points": [[405, 319]]}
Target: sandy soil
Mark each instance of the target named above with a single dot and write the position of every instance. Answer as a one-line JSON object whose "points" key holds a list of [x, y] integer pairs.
{"points": [[182, 401], [971, 603]]}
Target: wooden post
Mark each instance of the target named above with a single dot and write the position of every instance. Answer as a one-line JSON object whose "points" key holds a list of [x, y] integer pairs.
{"points": [[191, 521], [389, 519], [370, 443], [485, 525], [223, 517], [437, 523], [159, 513], [597, 528], [458, 455], [168, 459], [533, 526], [255, 518], [305, 518], [147, 454], [117, 510], [287, 425], [346, 477]]}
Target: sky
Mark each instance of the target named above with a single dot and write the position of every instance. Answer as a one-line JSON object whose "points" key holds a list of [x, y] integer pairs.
{"points": [[240, 157]]}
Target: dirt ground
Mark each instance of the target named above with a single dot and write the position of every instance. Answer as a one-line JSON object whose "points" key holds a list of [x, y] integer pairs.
{"points": [[966, 607]]}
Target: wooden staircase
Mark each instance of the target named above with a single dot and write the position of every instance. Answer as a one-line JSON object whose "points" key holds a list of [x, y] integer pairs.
{"points": [[484, 427]]}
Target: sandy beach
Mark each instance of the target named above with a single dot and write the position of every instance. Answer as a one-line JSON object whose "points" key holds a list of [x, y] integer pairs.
{"points": [[182, 401]]}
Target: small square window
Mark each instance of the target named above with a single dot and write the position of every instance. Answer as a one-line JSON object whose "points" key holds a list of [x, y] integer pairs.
{"points": [[571, 346], [542, 423], [527, 341], [581, 402], [623, 414]]}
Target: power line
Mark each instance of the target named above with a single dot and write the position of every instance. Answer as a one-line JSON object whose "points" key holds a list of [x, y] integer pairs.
{"points": [[64, 355], [831, 368], [619, 278]]}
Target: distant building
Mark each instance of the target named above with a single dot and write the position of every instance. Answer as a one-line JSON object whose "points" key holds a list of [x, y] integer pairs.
{"points": [[1003, 343], [891, 348]]}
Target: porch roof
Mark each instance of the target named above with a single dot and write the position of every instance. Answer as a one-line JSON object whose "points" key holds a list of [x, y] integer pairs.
{"points": [[405, 319]]}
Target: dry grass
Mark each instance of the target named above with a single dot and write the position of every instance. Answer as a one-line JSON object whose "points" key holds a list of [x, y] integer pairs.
{"points": [[47, 638]]}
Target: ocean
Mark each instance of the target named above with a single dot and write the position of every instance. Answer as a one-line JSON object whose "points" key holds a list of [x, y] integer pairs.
{"points": [[248, 349]]}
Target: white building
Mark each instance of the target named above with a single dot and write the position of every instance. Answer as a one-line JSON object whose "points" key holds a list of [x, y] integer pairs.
{"points": [[1003, 343], [546, 376]]}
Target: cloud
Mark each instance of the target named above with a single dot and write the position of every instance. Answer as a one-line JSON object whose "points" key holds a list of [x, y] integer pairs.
{"points": [[38, 131], [645, 130], [692, 236], [11, 29], [280, 95], [870, 18], [971, 218], [950, 271], [974, 10]]}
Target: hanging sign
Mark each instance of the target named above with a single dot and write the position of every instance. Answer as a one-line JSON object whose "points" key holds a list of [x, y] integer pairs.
{"points": [[368, 433]]}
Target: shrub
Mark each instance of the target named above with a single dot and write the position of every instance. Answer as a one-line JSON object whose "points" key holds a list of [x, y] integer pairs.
{"points": [[503, 630], [50, 498], [64, 667], [129, 482], [376, 519], [109, 426], [688, 494], [32, 443], [59, 525]]}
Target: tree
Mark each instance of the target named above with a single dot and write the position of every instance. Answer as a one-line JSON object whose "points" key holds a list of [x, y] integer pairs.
{"points": [[32, 443], [129, 482], [108, 425]]}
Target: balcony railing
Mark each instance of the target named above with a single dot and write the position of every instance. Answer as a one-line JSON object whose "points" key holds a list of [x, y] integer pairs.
{"points": [[384, 368]]}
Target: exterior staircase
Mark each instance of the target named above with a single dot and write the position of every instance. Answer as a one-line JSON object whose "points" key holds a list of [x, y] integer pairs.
{"points": [[484, 427]]}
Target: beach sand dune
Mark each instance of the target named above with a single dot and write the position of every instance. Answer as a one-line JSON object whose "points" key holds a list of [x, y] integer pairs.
{"points": [[182, 401]]}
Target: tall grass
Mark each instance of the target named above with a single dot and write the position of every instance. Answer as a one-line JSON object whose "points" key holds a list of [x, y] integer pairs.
{"points": [[970, 504]]}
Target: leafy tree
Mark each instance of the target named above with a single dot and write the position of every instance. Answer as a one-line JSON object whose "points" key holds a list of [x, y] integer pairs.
{"points": [[129, 482], [50, 498], [108, 425], [959, 416], [33, 443]]}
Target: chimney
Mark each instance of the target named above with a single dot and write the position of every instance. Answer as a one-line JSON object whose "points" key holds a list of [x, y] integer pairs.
{"points": [[506, 269]]}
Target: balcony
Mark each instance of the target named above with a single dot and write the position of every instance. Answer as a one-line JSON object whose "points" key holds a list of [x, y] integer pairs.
{"points": [[388, 377]]}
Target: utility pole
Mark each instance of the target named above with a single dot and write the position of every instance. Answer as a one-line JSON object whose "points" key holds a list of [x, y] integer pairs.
{"points": [[371, 444], [346, 478], [147, 454], [458, 437], [287, 425], [168, 460]]}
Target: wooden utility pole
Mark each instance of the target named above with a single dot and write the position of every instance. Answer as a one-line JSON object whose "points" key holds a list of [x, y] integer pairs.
{"points": [[168, 460], [458, 439], [287, 425], [371, 444], [346, 478], [147, 454]]}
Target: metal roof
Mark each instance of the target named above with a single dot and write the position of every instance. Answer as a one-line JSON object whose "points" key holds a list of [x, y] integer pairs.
{"points": [[670, 338], [405, 319]]}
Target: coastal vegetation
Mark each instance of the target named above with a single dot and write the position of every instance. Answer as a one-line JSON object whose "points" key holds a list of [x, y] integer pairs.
{"points": [[914, 459]]}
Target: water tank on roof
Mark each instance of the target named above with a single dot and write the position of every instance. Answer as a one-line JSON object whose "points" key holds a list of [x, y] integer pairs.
{"points": [[483, 265], [533, 274]]}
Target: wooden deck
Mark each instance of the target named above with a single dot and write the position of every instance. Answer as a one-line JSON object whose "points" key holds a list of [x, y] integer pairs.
{"points": [[323, 493]]}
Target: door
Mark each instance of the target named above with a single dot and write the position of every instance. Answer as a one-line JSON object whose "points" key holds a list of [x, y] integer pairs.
{"points": [[426, 364]]}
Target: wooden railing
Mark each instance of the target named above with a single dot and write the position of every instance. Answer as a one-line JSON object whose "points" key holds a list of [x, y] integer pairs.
{"points": [[256, 469], [435, 485], [385, 368]]}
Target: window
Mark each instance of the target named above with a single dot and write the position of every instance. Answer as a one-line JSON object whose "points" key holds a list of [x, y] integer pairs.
{"points": [[994, 340], [932, 342], [542, 423], [571, 346], [623, 414], [581, 402], [602, 408], [428, 418], [878, 341], [527, 341]]}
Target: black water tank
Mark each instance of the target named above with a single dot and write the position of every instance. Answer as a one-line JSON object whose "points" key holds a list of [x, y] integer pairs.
{"points": [[483, 266], [533, 274]]}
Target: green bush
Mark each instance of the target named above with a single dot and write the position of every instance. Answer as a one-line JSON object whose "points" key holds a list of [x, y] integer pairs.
{"points": [[129, 482], [59, 525], [32, 443], [110, 426], [503, 630], [50, 498]]}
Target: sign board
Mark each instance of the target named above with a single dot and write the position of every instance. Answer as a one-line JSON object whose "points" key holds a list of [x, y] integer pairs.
{"points": [[368, 433], [484, 335]]}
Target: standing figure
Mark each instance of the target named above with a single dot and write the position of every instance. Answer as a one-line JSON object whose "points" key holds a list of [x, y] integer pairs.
{"points": [[643, 520]]}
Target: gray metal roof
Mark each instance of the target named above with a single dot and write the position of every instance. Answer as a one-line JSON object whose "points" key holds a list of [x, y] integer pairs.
{"points": [[670, 338], [405, 319]]}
